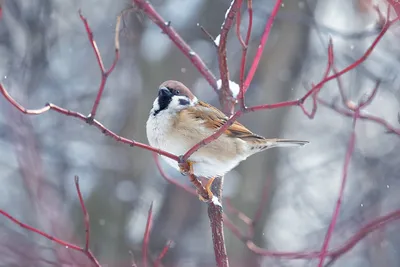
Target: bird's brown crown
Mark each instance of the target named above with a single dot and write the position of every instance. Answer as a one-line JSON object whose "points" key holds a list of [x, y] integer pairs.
{"points": [[183, 90]]}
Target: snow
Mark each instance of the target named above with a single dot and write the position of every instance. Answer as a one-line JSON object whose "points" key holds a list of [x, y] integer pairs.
{"points": [[229, 9], [216, 41], [235, 88], [215, 201]]}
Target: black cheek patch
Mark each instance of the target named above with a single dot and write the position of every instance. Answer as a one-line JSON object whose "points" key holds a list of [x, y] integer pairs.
{"points": [[163, 102], [184, 102]]}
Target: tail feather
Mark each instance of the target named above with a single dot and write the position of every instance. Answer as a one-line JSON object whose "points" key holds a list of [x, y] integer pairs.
{"points": [[270, 143], [289, 143]]}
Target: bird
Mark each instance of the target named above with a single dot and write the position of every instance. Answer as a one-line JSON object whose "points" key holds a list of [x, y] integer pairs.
{"points": [[178, 120]]}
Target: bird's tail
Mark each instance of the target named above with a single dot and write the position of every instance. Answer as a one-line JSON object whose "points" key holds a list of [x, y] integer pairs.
{"points": [[270, 143]]}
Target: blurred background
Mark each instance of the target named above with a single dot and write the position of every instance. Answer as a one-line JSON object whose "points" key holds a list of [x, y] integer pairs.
{"points": [[46, 57]]}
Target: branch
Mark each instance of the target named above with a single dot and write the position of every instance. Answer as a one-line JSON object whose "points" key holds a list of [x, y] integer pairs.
{"points": [[146, 236], [335, 216], [362, 116], [162, 254], [85, 213], [396, 6], [104, 73], [84, 118], [225, 94], [85, 250], [166, 27], [298, 102], [215, 210], [264, 39], [246, 239], [245, 45]]}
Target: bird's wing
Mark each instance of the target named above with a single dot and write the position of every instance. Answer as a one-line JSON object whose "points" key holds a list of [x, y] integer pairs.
{"points": [[213, 119]]}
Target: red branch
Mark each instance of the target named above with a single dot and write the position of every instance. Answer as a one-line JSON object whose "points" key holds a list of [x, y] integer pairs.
{"points": [[335, 215], [396, 6], [146, 236], [84, 118], [171, 180], [186, 50], [85, 213], [215, 211], [225, 94], [85, 250], [264, 39], [162, 254], [146, 241], [298, 102], [361, 116], [245, 45], [315, 94], [347, 245], [104, 73]]}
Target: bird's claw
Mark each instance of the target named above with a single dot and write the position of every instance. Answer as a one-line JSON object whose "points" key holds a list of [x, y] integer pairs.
{"points": [[210, 194], [185, 167]]}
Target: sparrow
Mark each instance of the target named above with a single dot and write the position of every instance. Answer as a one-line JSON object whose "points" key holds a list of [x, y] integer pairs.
{"points": [[178, 121]]}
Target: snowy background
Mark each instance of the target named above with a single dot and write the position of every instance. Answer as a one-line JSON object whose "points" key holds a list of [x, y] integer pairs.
{"points": [[46, 57]]}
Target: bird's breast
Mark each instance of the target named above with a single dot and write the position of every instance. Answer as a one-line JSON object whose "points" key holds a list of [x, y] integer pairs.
{"points": [[156, 129]]}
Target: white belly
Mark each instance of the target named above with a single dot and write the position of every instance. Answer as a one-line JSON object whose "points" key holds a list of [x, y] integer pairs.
{"points": [[159, 126]]}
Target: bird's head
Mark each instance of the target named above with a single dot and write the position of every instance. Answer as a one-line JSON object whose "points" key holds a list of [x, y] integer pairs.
{"points": [[173, 96]]}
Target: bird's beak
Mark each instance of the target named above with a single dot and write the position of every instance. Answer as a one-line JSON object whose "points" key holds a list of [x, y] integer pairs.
{"points": [[164, 92]]}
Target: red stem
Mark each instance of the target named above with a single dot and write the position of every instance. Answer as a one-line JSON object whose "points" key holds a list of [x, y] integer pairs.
{"points": [[85, 213], [162, 254], [84, 118], [104, 73], [317, 89], [348, 245], [238, 18], [335, 215], [299, 102], [362, 116], [186, 50], [225, 94], [396, 6], [245, 45], [170, 179], [146, 237], [61, 242], [264, 39]]}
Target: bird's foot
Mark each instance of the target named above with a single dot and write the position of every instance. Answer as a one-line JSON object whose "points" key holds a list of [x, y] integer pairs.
{"points": [[209, 194], [205, 194], [185, 167]]}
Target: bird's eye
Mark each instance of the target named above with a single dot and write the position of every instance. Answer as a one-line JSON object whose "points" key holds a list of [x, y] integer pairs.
{"points": [[176, 92]]}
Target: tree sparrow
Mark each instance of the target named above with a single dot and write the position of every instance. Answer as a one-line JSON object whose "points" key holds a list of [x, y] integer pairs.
{"points": [[178, 121]]}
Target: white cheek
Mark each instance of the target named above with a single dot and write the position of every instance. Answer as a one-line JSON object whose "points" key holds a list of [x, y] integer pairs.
{"points": [[156, 106], [174, 104]]}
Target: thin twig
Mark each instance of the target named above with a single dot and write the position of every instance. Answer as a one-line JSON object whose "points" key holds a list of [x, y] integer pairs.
{"points": [[104, 73], [264, 39], [85, 250], [146, 236], [245, 45], [163, 253], [85, 213], [84, 118], [225, 94], [166, 27]]}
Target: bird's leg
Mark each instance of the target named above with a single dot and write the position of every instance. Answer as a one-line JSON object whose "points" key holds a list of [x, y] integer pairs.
{"points": [[204, 193], [210, 194], [186, 168]]}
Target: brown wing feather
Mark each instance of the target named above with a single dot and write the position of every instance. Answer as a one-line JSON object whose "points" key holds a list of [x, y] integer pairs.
{"points": [[213, 118]]}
